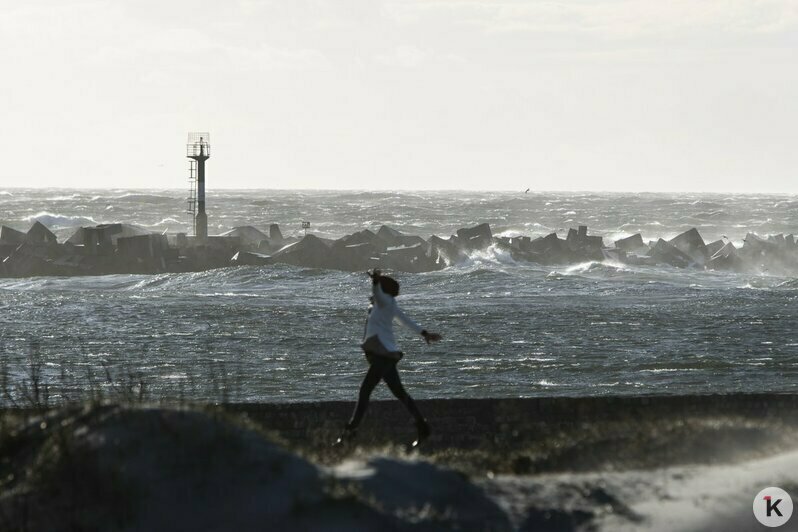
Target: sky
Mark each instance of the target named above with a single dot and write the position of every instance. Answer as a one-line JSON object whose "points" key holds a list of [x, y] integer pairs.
{"points": [[610, 95]]}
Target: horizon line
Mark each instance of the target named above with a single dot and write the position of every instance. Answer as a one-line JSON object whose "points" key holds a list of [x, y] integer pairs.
{"points": [[409, 190]]}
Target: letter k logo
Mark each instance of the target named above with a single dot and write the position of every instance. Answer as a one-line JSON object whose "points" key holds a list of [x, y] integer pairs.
{"points": [[777, 507], [772, 506]]}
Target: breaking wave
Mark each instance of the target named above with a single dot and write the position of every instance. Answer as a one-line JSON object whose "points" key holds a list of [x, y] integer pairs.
{"points": [[486, 258], [167, 221], [54, 220], [68, 197], [608, 267]]}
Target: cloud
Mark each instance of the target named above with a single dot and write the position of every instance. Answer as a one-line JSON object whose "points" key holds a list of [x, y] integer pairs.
{"points": [[616, 19], [191, 49], [404, 56], [101, 34], [264, 57]]}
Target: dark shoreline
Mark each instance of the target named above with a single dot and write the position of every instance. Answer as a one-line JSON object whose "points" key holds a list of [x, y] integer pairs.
{"points": [[544, 434], [515, 425], [494, 464]]}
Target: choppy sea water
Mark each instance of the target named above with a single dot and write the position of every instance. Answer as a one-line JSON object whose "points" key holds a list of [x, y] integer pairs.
{"points": [[281, 333]]}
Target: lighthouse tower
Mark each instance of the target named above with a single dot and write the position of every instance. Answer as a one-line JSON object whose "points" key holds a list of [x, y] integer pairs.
{"points": [[198, 150]]}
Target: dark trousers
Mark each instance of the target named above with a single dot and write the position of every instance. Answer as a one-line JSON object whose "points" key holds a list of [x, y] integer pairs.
{"points": [[382, 368]]}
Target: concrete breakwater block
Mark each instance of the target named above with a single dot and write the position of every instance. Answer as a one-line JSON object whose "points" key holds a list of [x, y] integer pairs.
{"points": [[247, 235], [666, 253], [392, 237], [9, 235], [691, 244], [477, 237], [39, 234], [631, 243]]}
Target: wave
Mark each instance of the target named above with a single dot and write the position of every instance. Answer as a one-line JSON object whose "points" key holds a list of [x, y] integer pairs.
{"points": [[791, 284], [509, 233], [59, 220], [166, 221], [77, 284], [764, 282], [240, 281], [602, 269], [228, 280], [598, 266], [712, 215], [706, 204], [26, 283], [70, 197], [144, 198], [489, 257]]}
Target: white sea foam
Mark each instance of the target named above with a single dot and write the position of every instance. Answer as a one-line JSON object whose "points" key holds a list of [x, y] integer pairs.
{"points": [[510, 233], [166, 221], [68, 197], [59, 220], [597, 266], [491, 255]]}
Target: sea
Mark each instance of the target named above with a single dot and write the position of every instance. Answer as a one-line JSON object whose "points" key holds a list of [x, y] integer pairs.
{"points": [[510, 329]]}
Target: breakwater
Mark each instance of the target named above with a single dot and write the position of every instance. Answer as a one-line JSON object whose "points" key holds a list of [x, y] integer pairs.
{"points": [[123, 249]]}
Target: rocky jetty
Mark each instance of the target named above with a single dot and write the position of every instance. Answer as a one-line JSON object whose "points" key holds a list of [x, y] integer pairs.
{"points": [[124, 248]]}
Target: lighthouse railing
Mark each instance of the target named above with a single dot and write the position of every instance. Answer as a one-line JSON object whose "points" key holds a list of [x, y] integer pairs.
{"points": [[196, 149]]}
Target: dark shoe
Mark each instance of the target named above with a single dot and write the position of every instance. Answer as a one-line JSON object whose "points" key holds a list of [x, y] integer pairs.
{"points": [[346, 436], [423, 434]]}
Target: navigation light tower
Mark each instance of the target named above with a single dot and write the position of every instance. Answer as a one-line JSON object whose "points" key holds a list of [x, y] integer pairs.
{"points": [[198, 149]]}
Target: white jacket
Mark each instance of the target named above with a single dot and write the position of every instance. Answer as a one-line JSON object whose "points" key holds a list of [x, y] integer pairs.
{"points": [[383, 311]]}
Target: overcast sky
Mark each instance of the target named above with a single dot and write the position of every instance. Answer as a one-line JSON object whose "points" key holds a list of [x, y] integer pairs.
{"points": [[417, 94]]}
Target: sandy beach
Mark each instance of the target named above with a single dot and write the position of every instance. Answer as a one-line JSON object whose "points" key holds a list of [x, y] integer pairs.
{"points": [[623, 463]]}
